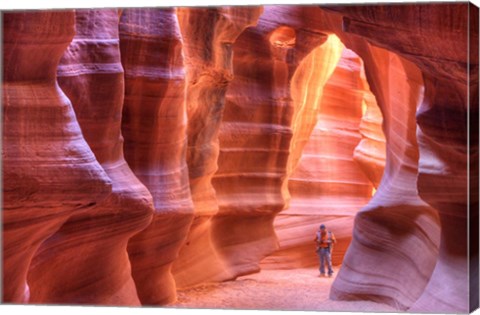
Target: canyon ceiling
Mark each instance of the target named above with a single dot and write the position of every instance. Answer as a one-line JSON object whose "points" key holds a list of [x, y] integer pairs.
{"points": [[151, 149]]}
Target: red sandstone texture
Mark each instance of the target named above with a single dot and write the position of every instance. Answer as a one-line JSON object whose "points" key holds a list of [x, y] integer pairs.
{"points": [[244, 128], [49, 171], [442, 139], [259, 126], [208, 35], [91, 75], [328, 186], [154, 126]]}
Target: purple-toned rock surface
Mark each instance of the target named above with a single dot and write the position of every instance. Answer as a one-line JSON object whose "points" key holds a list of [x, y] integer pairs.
{"points": [[91, 75], [49, 172], [434, 39]]}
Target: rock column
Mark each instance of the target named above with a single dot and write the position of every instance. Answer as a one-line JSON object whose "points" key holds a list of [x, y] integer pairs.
{"points": [[91, 75], [154, 126], [49, 171], [209, 34]]}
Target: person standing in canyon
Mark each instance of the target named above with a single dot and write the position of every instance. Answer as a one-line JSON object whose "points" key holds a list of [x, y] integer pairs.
{"points": [[325, 240]]}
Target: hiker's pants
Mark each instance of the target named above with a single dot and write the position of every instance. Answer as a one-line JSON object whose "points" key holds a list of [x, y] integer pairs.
{"points": [[325, 258]]}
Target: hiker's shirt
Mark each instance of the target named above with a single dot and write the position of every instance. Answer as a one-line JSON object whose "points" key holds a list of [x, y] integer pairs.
{"points": [[325, 239]]}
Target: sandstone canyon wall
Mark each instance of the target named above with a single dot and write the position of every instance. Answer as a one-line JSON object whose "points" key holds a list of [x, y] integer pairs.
{"points": [[91, 75], [376, 242], [49, 171], [154, 126], [441, 180], [327, 185], [257, 132], [209, 34], [151, 149]]}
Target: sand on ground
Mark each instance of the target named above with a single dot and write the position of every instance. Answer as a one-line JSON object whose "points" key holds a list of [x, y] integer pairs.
{"points": [[291, 290]]}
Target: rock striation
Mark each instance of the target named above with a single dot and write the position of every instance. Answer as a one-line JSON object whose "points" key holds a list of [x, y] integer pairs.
{"points": [[49, 172], [378, 236], [370, 153], [327, 186], [208, 34], [442, 160], [260, 124], [154, 126], [91, 75]]}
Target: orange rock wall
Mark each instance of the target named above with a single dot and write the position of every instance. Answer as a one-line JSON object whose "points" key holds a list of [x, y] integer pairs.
{"points": [[370, 152], [256, 134], [396, 200], [438, 149], [154, 125], [208, 34], [327, 185]]}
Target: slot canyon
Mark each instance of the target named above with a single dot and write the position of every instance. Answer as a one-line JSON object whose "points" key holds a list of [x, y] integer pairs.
{"points": [[149, 152]]}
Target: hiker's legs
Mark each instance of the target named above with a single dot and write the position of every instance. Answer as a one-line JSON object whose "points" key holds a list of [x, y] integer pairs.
{"points": [[328, 257], [322, 261], [319, 253]]}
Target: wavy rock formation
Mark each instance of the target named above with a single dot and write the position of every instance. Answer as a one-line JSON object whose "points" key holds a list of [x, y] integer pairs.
{"points": [[448, 177], [448, 166], [380, 236], [370, 152], [91, 75], [442, 182], [258, 128], [327, 185], [49, 171], [154, 126], [439, 50], [208, 34]]}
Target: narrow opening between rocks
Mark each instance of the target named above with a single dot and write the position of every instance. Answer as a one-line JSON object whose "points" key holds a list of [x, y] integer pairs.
{"points": [[339, 167]]}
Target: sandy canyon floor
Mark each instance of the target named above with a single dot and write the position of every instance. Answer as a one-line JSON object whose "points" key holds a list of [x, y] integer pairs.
{"points": [[293, 290]]}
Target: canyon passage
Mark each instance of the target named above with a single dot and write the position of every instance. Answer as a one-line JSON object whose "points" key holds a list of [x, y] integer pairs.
{"points": [[185, 157]]}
